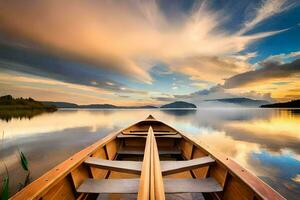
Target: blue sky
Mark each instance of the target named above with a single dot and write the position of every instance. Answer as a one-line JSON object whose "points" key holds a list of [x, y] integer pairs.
{"points": [[150, 52]]}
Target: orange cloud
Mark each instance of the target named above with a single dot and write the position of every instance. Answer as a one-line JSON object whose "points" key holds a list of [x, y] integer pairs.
{"points": [[128, 37]]}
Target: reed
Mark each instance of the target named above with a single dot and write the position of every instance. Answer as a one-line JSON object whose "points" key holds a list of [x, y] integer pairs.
{"points": [[5, 178], [25, 166], [5, 188]]}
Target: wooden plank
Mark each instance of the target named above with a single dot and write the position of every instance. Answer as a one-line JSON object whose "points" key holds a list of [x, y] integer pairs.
{"points": [[144, 183], [111, 149], [175, 136], [62, 190], [186, 174], [197, 153], [219, 173], [152, 180], [116, 197], [203, 171], [131, 186], [96, 172], [237, 190], [167, 167], [158, 132], [79, 175], [143, 126], [159, 192], [185, 196], [121, 175], [186, 148], [135, 142], [138, 151], [115, 165], [171, 167], [109, 186], [165, 143], [130, 151], [100, 153], [191, 185], [145, 131]]}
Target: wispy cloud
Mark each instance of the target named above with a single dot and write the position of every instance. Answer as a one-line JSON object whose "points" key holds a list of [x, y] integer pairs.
{"points": [[266, 9]]}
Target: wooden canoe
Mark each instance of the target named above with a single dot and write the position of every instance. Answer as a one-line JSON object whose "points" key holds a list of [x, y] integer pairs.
{"points": [[148, 160]]}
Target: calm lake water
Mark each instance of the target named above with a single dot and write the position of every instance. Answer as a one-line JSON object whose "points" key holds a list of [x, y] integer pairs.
{"points": [[265, 141]]}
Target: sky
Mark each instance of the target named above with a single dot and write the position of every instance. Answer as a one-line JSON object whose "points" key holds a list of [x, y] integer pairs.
{"points": [[150, 52]]}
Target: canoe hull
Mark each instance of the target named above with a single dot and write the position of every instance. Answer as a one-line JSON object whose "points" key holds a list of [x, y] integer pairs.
{"points": [[235, 182]]}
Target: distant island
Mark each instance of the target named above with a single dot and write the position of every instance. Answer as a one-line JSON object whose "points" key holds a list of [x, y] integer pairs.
{"points": [[94, 106], [289, 104], [9, 103], [241, 101], [179, 104]]}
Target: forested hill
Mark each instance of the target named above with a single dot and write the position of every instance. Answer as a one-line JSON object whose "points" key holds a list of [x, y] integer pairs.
{"points": [[290, 104], [8, 102]]}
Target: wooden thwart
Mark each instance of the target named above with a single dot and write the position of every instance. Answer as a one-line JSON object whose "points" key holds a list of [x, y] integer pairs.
{"points": [[140, 132], [115, 165], [175, 136], [134, 167], [136, 151], [191, 185], [109, 186], [131, 186], [172, 167]]}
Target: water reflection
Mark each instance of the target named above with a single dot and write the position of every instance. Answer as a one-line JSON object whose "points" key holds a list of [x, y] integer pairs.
{"points": [[179, 112], [8, 115], [295, 112], [265, 141]]}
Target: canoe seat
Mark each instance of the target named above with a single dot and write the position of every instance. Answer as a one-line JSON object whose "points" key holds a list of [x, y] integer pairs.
{"points": [[131, 186], [172, 167], [134, 167], [110, 186], [175, 136], [115, 165], [145, 132], [191, 185], [173, 196]]}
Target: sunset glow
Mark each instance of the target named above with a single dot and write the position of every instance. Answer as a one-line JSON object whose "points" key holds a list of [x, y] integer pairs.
{"points": [[149, 52]]}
